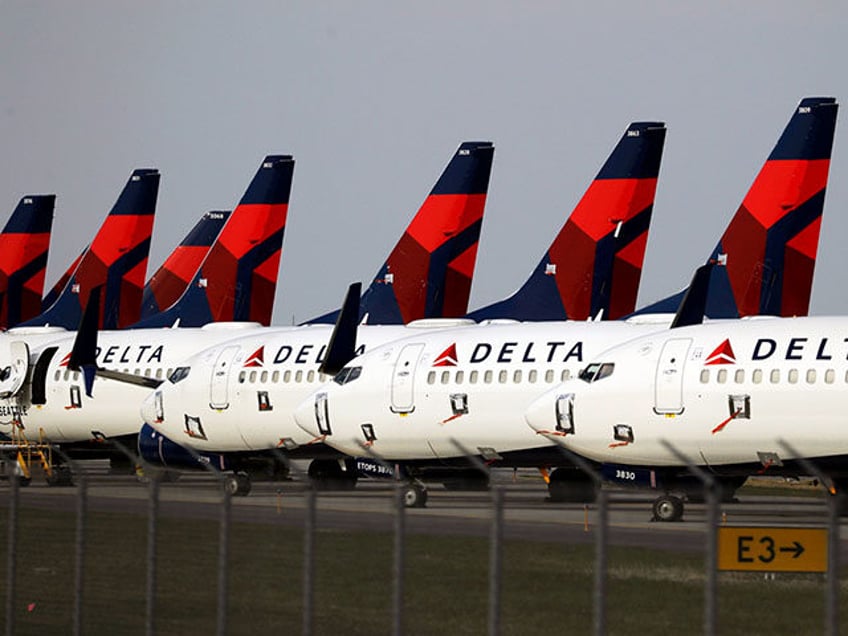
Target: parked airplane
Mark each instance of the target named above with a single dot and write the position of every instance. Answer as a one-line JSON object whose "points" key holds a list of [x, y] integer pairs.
{"points": [[428, 273], [170, 281], [723, 394], [626, 184], [24, 244], [55, 400], [116, 260], [414, 397], [594, 264]]}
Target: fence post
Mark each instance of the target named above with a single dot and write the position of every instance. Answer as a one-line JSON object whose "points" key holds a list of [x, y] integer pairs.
{"points": [[711, 555]]}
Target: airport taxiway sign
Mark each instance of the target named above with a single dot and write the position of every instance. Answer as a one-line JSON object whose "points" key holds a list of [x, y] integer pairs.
{"points": [[770, 549]]}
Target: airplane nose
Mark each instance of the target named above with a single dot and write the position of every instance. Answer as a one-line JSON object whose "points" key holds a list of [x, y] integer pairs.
{"points": [[152, 411], [305, 416]]}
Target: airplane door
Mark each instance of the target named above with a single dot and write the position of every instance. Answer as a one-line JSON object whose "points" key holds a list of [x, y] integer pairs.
{"points": [[668, 384], [218, 397], [403, 379]]}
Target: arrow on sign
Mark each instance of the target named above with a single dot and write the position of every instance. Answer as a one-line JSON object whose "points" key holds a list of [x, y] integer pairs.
{"points": [[797, 548]]}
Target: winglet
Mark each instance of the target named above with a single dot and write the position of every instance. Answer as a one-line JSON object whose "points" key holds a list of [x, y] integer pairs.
{"points": [[694, 303], [342, 346], [84, 353]]}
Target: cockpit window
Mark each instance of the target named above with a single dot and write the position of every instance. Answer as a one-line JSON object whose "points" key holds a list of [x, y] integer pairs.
{"points": [[179, 374], [348, 374], [596, 371]]}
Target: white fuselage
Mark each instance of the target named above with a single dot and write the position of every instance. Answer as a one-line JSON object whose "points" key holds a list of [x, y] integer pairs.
{"points": [[241, 395], [435, 395], [722, 393], [68, 414]]}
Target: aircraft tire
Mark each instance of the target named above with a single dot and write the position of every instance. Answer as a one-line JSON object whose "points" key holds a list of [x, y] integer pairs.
{"points": [[238, 484], [414, 496], [668, 508]]}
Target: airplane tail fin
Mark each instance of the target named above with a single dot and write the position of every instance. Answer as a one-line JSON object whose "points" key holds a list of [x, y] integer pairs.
{"points": [[116, 260], [238, 278], [594, 265], [53, 295], [169, 282], [769, 248], [428, 273], [24, 244]]}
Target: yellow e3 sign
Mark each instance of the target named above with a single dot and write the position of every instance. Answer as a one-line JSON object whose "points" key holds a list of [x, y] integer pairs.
{"points": [[772, 549]]}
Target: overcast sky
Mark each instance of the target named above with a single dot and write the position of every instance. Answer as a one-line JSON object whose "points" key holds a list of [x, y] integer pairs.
{"points": [[372, 99]]}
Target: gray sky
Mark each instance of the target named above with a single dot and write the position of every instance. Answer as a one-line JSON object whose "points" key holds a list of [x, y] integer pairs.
{"points": [[372, 98]]}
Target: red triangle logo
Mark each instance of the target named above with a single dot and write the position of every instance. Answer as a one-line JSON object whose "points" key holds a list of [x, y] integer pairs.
{"points": [[723, 354], [257, 358], [446, 358], [65, 360]]}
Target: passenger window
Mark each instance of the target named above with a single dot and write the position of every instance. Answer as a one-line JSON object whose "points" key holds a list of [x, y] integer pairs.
{"points": [[565, 375], [242, 376], [445, 377], [460, 375], [159, 373], [721, 376], [811, 376], [263, 377], [472, 377], [147, 372], [531, 377], [757, 376], [549, 376], [275, 377], [298, 376], [516, 377], [487, 377], [168, 374], [705, 376], [67, 375], [793, 376], [287, 376], [252, 377], [431, 377], [739, 376], [829, 376], [57, 375], [774, 376], [502, 376]]}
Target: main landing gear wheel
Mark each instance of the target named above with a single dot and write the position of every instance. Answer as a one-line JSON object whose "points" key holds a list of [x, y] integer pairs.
{"points": [[414, 496], [668, 508], [238, 484]]}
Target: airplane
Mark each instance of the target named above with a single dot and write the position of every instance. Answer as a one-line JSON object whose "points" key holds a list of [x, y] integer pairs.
{"points": [[237, 279], [594, 264], [473, 385], [24, 244], [169, 282], [116, 259], [609, 225], [428, 273], [55, 401], [726, 395]]}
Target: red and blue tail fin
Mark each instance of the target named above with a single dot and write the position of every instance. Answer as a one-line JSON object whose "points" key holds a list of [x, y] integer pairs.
{"points": [[24, 244], [170, 281], [428, 273], [594, 265], [769, 249], [238, 278], [116, 260]]}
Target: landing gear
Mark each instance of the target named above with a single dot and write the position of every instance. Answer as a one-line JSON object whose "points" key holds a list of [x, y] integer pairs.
{"points": [[237, 484], [414, 495], [329, 474], [571, 485], [668, 508]]}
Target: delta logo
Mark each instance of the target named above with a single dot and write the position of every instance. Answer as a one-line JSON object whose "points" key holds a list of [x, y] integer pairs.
{"points": [[446, 358], [722, 354], [65, 360], [256, 359]]}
